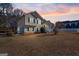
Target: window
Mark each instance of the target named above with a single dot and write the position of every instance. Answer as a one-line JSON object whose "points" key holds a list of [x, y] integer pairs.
{"points": [[68, 26], [28, 19], [27, 28], [73, 25], [37, 21], [77, 26], [33, 20]]}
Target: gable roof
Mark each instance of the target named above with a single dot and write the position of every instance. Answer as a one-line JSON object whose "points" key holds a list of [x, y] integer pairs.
{"points": [[48, 22], [35, 14]]}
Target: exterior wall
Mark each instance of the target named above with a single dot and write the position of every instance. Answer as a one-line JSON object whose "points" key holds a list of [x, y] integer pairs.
{"points": [[31, 24], [72, 26], [48, 27], [25, 26], [39, 21], [30, 30], [77, 30], [31, 20]]}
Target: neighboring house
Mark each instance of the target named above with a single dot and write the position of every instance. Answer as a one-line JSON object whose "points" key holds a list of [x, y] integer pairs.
{"points": [[68, 26], [48, 26], [32, 22]]}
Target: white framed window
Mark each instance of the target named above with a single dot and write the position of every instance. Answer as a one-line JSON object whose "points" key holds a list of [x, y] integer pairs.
{"points": [[33, 20], [28, 19]]}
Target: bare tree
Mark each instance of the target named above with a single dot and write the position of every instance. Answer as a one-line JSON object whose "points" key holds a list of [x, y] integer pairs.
{"points": [[6, 8], [18, 12]]}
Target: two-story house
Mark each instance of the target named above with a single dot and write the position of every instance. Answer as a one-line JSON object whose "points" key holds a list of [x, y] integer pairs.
{"points": [[30, 22]]}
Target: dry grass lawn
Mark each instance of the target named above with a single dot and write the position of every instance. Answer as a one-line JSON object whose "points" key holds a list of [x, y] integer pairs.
{"points": [[62, 44]]}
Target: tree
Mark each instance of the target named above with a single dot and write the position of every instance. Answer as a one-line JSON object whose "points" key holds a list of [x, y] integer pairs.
{"points": [[18, 12], [6, 8], [42, 30]]}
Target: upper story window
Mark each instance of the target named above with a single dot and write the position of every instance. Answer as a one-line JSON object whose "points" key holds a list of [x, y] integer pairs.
{"points": [[33, 20], [28, 19], [37, 21]]}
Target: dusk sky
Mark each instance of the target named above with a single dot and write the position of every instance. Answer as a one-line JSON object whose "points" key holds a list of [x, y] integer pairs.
{"points": [[52, 11]]}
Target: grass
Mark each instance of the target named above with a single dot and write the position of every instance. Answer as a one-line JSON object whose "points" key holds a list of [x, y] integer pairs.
{"points": [[62, 44]]}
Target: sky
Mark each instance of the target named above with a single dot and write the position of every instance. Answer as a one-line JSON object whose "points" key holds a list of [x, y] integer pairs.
{"points": [[52, 11]]}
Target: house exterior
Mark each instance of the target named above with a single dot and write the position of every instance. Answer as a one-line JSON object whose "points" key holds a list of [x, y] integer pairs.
{"points": [[28, 23], [32, 22], [48, 26], [68, 26]]}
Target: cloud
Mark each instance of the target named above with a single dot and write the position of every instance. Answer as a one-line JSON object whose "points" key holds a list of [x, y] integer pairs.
{"points": [[69, 17], [50, 11], [48, 7]]}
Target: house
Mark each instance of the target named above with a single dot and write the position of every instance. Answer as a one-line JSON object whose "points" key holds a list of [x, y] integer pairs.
{"points": [[68, 26], [33, 22], [28, 23], [48, 26]]}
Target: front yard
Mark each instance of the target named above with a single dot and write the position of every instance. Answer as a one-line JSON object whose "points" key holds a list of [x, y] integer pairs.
{"points": [[41, 44]]}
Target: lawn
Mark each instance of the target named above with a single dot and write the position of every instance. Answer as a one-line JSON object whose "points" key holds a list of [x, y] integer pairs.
{"points": [[62, 44]]}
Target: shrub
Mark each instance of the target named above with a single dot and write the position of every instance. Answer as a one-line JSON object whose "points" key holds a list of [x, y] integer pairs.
{"points": [[42, 30]]}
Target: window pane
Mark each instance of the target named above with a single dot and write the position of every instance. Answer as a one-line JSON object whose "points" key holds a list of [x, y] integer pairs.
{"points": [[37, 21], [33, 20], [28, 19], [27, 28]]}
